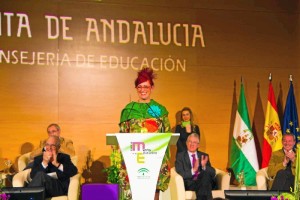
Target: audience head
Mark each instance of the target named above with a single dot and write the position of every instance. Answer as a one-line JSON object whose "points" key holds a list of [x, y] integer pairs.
{"points": [[52, 143], [187, 115], [53, 129], [192, 142], [288, 141], [144, 84]]}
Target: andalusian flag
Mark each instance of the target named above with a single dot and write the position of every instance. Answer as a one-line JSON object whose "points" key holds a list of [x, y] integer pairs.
{"points": [[243, 152], [290, 116], [272, 130]]}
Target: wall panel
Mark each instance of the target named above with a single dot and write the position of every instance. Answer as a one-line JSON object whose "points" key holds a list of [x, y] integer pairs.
{"points": [[84, 84]]}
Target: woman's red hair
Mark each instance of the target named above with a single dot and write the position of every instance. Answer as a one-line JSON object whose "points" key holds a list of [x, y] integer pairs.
{"points": [[145, 74]]}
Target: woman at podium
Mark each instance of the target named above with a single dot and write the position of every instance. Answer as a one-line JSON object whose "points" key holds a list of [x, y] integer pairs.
{"points": [[145, 115]]}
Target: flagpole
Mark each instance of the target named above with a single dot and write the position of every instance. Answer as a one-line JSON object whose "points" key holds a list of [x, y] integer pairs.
{"points": [[297, 174]]}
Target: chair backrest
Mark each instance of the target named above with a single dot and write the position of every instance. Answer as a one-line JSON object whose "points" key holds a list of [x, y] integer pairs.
{"points": [[74, 160], [178, 192], [223, 179], [23, 161], [176, 185], [262, 179]]}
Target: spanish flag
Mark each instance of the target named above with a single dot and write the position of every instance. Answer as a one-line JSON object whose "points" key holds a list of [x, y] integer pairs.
{"points": [[272, 129]]}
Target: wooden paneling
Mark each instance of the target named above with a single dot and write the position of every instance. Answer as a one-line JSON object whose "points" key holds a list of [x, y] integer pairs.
{"points": [[242, 39]]}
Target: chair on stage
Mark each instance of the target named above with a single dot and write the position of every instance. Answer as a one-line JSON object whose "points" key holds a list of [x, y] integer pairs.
{"points": [[262, 179], [23, 161], [178, 191], [23, 177]]}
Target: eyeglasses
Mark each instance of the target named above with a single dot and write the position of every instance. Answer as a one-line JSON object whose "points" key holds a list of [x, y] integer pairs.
{"points": [[140, 87], [52, 131], [190, 142], [52, 146]]}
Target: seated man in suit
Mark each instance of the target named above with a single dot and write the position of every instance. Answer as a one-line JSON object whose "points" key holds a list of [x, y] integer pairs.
{"points": [[195, 169], [282, 165], [52, 169], [66, 144]]}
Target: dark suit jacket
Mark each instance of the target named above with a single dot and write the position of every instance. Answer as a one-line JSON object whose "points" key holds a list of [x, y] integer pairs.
{"points": [[181, 142], [63, 176], [275, 165], [184, 167]]}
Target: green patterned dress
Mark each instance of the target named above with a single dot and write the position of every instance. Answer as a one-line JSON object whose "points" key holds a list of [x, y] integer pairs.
{"points": [[149, 117]]}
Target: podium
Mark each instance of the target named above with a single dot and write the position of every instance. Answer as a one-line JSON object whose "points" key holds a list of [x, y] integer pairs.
{"points": [[143, 154], [111, 138]]}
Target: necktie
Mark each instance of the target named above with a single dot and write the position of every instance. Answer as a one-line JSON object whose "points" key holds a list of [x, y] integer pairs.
{"points": [[193, 164], [194, 160]]}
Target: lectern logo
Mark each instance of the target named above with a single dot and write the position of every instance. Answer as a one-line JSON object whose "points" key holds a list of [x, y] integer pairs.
{"points": [[143, 171], [137, 145]]}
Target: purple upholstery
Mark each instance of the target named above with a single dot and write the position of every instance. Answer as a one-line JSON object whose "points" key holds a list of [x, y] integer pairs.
{"points": [[100, 191]]}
